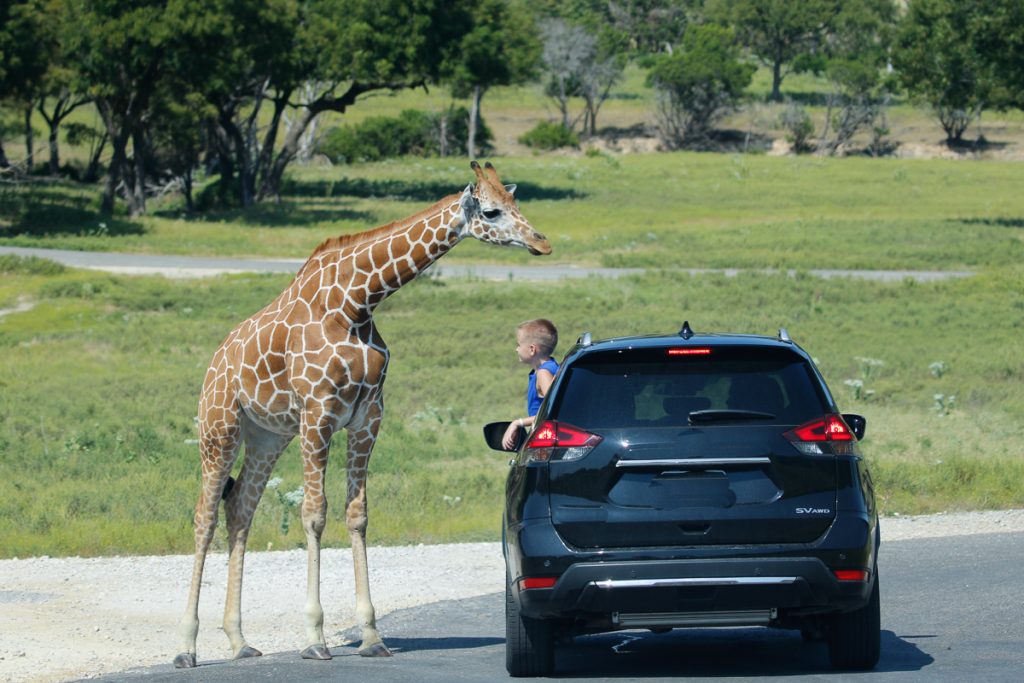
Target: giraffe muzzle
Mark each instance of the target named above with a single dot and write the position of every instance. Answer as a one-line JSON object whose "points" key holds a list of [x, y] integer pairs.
{"points": [[538, 245]]}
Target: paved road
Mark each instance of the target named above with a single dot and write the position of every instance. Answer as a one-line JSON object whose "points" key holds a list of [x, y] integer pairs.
{"points": [[951, 611], [195, 266]]}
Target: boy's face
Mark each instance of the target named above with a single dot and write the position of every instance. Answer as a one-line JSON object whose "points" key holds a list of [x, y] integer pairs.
{"points": [[525, 349]]}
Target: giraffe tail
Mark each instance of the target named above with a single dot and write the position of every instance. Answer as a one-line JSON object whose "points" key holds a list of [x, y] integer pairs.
{"points": [[230, 484]]}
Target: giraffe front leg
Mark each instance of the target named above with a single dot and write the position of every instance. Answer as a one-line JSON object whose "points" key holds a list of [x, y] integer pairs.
{"points": [[316, 440], [360, 446], [314, 519]]}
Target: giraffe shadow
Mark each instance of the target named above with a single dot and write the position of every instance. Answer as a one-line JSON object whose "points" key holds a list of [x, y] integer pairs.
{"points": [[426, 644], [421, 191]]}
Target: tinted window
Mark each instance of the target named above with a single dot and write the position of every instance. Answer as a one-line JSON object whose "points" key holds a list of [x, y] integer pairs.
{"points": [[649, 388]]}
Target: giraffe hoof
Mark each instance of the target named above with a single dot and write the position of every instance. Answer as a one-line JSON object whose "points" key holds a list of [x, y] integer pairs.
{"points": [[247, 651], [375, 650], [186, 660], [317, 651]]}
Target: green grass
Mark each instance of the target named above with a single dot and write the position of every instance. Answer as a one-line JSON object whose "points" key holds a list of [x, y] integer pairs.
{"points": [[657, 210], [99, 383]]}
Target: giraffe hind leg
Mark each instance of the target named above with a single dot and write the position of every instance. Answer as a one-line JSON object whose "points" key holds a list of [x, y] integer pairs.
{"points": [[218, 455], [262, 449]]}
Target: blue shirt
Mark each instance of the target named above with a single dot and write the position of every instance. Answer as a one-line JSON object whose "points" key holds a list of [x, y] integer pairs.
{"points": [[533, 399]]}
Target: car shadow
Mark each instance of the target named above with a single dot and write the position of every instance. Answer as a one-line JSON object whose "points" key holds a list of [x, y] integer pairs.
{"points": [[712, 653]]}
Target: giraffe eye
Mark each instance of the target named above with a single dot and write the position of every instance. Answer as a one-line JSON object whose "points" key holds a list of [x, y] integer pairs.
{"points": [[491, 214]]}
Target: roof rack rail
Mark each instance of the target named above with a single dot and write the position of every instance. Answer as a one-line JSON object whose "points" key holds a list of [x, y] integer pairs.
{"points": [[686, 332], [784, 335], [584, 339]]}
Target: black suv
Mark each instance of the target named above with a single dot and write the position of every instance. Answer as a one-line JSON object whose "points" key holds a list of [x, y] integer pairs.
{"points": [[689, 480]]}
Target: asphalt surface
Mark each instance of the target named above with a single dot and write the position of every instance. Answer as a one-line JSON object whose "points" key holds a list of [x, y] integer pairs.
{"points": [[951, 611], [195, 266]]}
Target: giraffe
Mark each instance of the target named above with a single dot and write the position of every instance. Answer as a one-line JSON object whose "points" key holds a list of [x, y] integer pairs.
{"points": [[310, 364]]}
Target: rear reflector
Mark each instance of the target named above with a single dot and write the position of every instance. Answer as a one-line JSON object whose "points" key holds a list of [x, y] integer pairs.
{"points": [[701, 351], [851, 574], [538, 582]]}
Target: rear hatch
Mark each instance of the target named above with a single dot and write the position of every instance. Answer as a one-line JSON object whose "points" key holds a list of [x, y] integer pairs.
{"points": [[693, 450]]}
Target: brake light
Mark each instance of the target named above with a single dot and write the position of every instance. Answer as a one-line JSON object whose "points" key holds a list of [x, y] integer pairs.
{"points": [[559, 441], [851, 574], [538, 582], [828, 435], [700, 351]]}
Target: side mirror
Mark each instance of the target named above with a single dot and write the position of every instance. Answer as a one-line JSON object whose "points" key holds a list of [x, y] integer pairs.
{"points": [[857, 424], [495, 431]]}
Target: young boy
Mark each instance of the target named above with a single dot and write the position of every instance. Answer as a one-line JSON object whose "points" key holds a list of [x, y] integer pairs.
{"points": [[535, 342]]}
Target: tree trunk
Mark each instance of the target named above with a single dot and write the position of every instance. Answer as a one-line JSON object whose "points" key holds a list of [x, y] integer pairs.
{"points": [[137, 198], [119, 142], [54, 151], [29, 140], [271, 184], [4, 163], [776, 95], [442, 140], [92, 170], [474, 118]]}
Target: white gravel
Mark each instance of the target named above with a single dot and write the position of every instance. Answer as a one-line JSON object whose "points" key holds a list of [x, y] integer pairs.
{"points": [[75, 618]]}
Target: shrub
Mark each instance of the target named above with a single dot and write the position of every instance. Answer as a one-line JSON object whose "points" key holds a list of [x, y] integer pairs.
{"points": [[698, 83], [412, 132], [799, 128], [548, 135]]}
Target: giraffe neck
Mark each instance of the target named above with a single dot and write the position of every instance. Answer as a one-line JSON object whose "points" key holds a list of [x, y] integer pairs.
{"points": [[372, 266]]}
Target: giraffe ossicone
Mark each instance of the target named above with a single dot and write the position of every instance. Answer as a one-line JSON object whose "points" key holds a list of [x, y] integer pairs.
{"points": [[310, 364]]}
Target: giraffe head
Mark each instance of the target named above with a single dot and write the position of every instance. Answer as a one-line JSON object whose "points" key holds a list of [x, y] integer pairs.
{"points": [[491, 214]]}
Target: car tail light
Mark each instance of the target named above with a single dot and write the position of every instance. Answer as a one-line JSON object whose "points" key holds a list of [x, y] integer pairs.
{"points": [[851, 574], [538, 582], [559, 441], [828, 435]]}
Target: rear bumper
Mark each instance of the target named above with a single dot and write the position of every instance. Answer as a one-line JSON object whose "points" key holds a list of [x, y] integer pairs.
{"points": [[690, 586], [765, 588]]}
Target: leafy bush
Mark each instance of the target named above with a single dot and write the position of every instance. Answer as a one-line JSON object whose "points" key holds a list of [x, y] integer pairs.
{"points": [[698, 83], [412, 132], [548, 135], [799, 128]]}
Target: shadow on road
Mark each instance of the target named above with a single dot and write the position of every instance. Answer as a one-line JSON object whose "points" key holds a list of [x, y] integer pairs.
{"points": [[720, 653]]}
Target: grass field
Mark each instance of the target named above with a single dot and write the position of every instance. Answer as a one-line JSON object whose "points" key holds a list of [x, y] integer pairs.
{"points": [[653, 210], [99, 379], [99, 382]]}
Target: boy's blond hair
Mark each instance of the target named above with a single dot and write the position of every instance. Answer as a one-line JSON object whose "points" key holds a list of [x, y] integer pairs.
{"points": [[541, 332]]}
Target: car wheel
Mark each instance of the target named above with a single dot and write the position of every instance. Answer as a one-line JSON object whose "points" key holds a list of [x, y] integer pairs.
{"points": [[529, 643], [854, 638]]}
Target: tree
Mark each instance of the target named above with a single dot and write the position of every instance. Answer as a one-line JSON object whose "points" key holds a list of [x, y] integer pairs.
{"points": [[855, 56], [937, 62], [698, 83], [24, 58], [120, 45], [500, 49], [568, 50], [55, 97], [777, 32], [998, 36]]}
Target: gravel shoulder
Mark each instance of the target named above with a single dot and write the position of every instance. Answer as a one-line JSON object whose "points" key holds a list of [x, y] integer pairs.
{"points": [[72, 618]]}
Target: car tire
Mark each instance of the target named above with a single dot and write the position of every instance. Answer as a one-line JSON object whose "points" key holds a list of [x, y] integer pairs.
{"points": [[854, 638], [529, 643]]}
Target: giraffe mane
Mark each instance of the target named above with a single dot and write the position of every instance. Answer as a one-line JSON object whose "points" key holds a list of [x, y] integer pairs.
{"points": [[341, 242]]}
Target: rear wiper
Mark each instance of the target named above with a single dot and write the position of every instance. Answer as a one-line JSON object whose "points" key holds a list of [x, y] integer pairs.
{"points": [[726, 415]]}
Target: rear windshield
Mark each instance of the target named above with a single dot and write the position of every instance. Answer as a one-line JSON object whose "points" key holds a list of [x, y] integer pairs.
{"points": [[639, 388]]}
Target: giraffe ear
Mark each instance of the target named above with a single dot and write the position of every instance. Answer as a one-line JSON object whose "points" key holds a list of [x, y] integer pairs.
{"points": [[511, 189], [467, 201]]}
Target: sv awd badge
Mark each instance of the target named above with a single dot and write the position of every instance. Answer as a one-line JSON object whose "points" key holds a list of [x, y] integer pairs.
{"points": [[813, 511]]}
